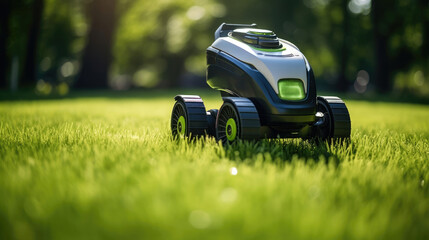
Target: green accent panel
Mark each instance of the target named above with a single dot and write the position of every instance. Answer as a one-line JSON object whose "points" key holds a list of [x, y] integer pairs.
{"points": [[291, 89], [269, 49], [231, 129], [181, 125], [267, 33]]}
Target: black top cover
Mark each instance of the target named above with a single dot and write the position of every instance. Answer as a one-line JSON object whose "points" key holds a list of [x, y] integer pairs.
{"points": [[259, 38]]}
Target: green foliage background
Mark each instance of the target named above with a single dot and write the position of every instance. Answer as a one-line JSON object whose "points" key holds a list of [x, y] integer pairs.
{"points": [[161, 43]]}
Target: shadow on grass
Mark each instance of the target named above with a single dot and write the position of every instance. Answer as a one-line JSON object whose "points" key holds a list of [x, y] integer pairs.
{"points": [[280, 151]]}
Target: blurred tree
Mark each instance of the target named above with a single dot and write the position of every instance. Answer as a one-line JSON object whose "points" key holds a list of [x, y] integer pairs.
{"points": [[333, 26], [28, 78], [381, 35], [5, 10], [158, 42], [399, 44], [342, 82], [97, 56], [61, 41], [19, 22], [424, 18]]}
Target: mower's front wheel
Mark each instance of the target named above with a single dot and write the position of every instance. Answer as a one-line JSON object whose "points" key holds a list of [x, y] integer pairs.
{"points": [[335, 119], [237, 119]]}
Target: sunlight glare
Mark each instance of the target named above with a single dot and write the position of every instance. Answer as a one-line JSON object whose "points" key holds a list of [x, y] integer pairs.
{"points": [[196, 13], [199, 219]]}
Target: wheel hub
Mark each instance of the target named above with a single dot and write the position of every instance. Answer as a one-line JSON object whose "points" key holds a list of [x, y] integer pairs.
{"points": [[231, 129], [181, 127]]}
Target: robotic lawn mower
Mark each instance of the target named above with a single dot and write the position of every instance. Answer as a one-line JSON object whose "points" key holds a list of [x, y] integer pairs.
{"points": [[268, 91]]}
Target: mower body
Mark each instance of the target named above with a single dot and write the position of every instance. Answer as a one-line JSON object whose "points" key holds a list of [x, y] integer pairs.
{"points": [[268, 90]]}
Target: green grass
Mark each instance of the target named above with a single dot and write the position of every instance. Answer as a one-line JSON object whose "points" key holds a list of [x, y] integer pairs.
{"points": [[107, 167]]}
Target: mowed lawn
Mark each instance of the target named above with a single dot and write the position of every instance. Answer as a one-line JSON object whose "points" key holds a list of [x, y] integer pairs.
{"points": [[106, 167]]}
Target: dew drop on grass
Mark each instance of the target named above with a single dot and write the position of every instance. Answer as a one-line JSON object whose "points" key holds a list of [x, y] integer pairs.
{"points": [[199, 219], [228, 195], [233, 171], [31, 161], [422, 183], [314, 192]]}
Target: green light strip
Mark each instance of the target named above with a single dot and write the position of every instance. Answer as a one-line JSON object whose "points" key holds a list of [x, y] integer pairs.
{"points": [[269, 49], [261, 33]]}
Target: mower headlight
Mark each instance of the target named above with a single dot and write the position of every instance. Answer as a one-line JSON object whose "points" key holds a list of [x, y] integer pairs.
{"points": [[291, 89]]}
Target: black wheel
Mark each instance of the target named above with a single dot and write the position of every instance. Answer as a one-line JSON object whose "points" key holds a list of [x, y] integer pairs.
{"points": [[335, 123], [237, 119], [188, 117]]}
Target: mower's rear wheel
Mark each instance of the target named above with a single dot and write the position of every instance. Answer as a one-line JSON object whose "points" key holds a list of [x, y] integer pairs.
{"points": [[336, 119], [188, 117], [237, 119]]}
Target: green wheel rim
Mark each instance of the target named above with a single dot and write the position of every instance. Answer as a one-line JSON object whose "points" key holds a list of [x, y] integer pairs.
{"points": [[231, 129], [181, 125]]}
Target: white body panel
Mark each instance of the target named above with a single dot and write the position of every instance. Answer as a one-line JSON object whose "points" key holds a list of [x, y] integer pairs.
{"points": [[289, 63]]}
